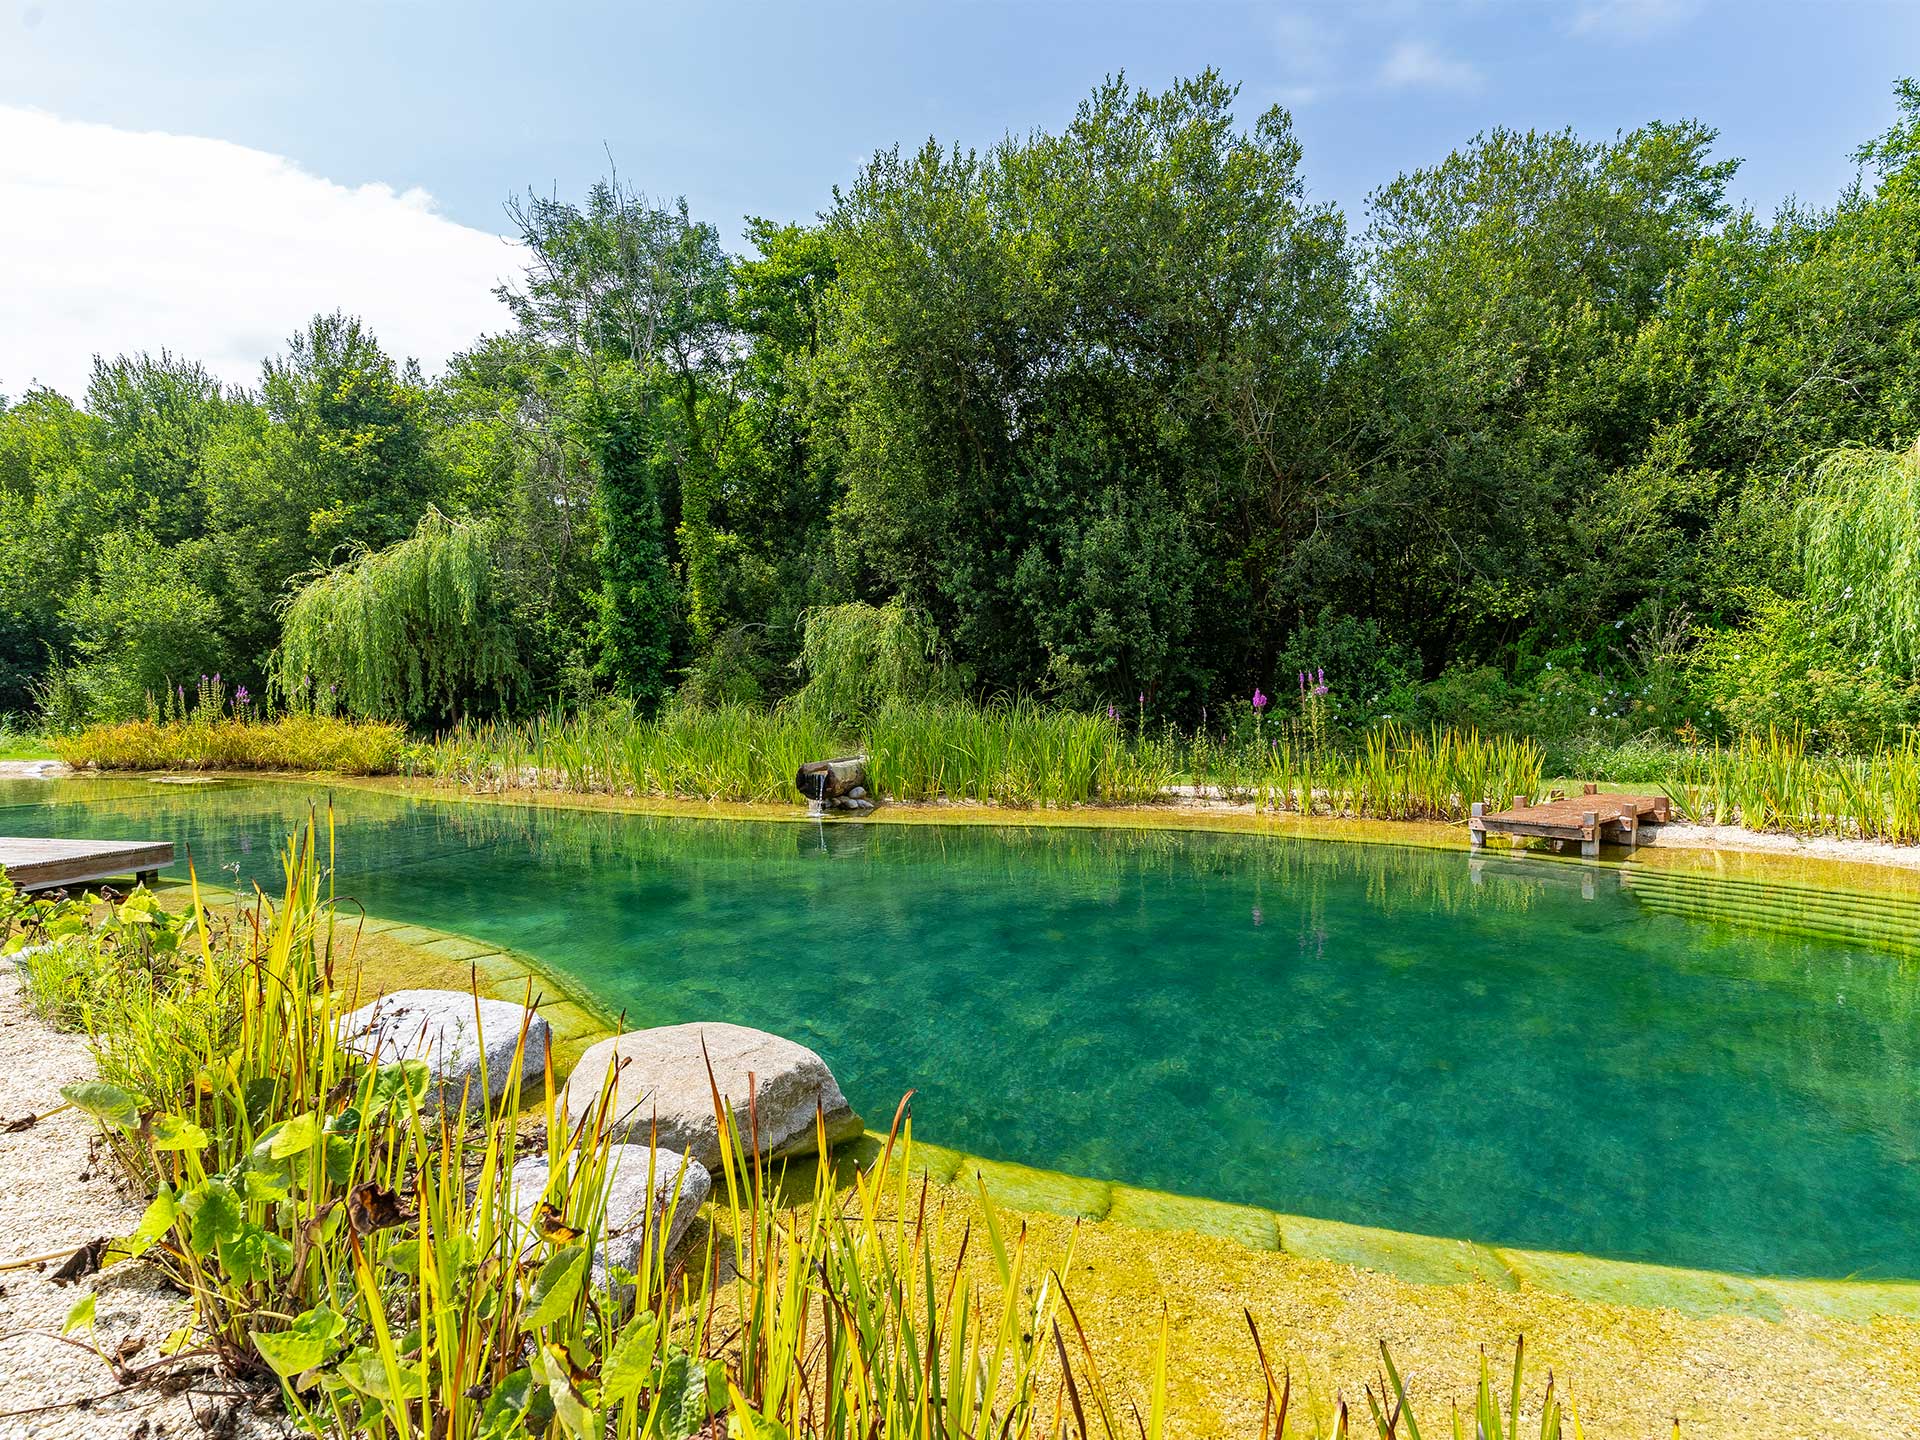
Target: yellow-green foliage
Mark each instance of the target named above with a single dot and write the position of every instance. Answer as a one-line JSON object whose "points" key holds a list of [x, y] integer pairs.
{"points": [[1861, 528], [1014, 754], [403, 633], [1394, 775], [1774, 782], [291, 742]]}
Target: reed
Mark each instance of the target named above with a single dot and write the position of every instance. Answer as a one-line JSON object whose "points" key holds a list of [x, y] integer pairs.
{"points": [[1775, 782]]}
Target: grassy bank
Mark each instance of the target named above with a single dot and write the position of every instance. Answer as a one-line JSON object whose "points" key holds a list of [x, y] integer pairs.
{"points": [[349, 1252]]}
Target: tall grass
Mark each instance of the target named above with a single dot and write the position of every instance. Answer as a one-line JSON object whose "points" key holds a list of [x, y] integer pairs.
{"points": [[1395, 774], [371, 1263], [1017, 754], [1774, 782]]}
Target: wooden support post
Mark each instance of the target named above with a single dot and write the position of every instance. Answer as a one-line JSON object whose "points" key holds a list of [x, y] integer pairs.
{"points": [[1630, 828], [1476, 826], [1589, 788], [148, 878], [1590, 835]]}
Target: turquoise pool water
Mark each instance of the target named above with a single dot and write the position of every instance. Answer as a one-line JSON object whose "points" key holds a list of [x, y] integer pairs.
{"points": [[1357, 1032]]}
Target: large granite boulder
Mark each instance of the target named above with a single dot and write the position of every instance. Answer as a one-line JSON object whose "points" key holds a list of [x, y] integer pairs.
{"points": [[679, 1184], [661, 1077], [452, 1032]]}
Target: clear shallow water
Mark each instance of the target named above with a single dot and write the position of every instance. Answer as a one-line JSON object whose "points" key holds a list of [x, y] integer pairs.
{"points": [[1357, 1032]]}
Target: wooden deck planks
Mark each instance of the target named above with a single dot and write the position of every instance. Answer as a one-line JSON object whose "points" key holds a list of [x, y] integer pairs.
{"points": [[35, 864], [1588, 818]]}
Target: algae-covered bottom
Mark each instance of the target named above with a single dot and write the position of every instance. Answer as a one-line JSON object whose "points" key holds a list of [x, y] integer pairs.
{"points": [[1522, 1053]]}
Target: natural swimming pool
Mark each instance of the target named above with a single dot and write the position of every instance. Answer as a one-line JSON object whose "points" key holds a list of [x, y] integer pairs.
{"points": [[1367, 1033]]}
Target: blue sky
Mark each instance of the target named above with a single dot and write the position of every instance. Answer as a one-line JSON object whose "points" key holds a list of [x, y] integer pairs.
{"points": [[762, 108]]}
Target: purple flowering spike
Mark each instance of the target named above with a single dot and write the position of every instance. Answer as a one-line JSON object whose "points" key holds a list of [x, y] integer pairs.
{"points": [[1259, 700], [1110, 713]]}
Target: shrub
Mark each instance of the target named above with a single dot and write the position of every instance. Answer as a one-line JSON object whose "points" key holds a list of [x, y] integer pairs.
{"points": [[1788, 669]]}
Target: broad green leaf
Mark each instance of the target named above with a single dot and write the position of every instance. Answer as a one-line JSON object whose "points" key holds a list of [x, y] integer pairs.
{"points": [[176, 1132], [244, 1255], [364, 1370], [217, 1214], [683, 1396], [108, 1104], [507, 1405], [309, 1341], [555, 1287], [264, 1181], [289, 1138], [629, 1365], [392, 1084], [154, 1224]]}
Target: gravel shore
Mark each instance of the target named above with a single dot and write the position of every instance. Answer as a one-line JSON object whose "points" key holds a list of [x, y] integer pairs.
{"points": [[58, 1192]]}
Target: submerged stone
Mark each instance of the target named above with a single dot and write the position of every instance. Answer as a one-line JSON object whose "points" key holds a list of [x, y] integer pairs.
{"points": [[679, 1187], [662, 1088], [456, 1034]]}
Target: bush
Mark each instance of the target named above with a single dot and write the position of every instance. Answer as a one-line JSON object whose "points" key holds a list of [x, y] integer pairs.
{"points": [[140, 626], [292, 742], [1366, 671], [1788, 669]]}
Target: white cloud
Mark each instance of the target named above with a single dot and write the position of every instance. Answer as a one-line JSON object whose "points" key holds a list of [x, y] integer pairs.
{"points": [[1630, 19], [1306, 58], [1416, 65], [117, 241]]}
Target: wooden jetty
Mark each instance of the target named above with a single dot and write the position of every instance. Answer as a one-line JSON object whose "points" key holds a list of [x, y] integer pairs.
{"points": [[61, 864], [1588, 818]]}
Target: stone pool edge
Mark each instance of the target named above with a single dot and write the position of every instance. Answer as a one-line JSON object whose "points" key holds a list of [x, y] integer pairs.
{"points": [[1417, 1259]]}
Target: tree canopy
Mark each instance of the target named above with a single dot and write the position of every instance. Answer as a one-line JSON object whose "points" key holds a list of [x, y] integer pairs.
{"points": [[1113, 415]]}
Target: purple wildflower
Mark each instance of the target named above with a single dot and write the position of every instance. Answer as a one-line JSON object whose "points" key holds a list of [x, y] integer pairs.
{"points": [[1110, 713], [240, 696], [1259, 700]]}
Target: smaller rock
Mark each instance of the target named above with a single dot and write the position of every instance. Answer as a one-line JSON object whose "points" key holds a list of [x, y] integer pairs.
{"points": [[859, 792], [439, 1027], [678, 1182]]}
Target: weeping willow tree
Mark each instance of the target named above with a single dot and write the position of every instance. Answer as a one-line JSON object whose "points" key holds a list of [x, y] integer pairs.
{"points": [[1861, 548], [857, 656], [413, 632]]}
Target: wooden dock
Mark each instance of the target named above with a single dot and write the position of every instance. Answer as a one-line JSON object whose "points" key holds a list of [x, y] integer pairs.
{"points": [[1588, 818], [62, 864]]}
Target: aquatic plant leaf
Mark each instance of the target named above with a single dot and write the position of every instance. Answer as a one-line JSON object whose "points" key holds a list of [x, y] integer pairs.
{"points": [[290, 1137], [108, 1104], [366, 1372], [160, 1214], [629, 1365], [176, 1132], [683, 1396], [555, 1287], [507, 1406], [217, 1215], [308, 1342]]}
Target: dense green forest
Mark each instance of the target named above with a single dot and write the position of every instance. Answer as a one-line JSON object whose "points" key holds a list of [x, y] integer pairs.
{"points": [[1555, 433]]}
